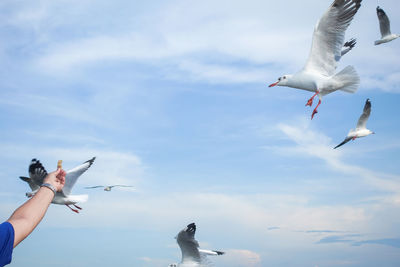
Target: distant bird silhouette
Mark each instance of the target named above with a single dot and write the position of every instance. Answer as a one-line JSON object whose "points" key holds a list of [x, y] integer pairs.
{"points": [[107, 187], [384, 25], [361, 128], [37, 173]]}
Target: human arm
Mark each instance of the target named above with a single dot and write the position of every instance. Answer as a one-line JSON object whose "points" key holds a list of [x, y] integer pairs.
{"points": [[27, 216]]}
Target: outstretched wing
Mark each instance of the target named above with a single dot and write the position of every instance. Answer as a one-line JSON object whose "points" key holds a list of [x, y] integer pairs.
{"points": [[328, 37], [90, 187], [30, 182], [384, 23], [211, 252], [344, 142], [362, 121], [120, 185], [189, 246], [37, 172], [73, 175]]}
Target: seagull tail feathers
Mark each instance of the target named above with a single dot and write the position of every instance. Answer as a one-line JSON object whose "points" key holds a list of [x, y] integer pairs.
{"points": [[25, 179], [348, 79]]}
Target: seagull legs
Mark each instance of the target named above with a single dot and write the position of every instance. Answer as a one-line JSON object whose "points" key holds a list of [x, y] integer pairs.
{"points": [[310, 101], [74, 210], [315, 110]]}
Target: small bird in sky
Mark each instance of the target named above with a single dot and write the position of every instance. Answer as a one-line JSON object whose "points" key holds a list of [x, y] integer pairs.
{"points": [[318, 75], [37, 173], [361, 128], [384, 25], [191, 254], [107, 187]]}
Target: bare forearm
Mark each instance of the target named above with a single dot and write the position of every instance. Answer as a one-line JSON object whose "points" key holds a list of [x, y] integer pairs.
{"points": [[28, 216]]}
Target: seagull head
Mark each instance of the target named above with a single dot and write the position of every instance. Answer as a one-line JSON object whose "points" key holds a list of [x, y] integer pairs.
{"points": [[282, 81]]}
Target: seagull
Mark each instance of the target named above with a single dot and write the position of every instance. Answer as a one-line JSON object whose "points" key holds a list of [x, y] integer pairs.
{"points": [[107, 187], [384, 25], [37, 173], [347, 47], [318, 75], [191, 254], [361, 129]]}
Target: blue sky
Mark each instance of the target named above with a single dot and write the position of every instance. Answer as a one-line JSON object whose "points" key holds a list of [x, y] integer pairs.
{"points": [[172, 98]]}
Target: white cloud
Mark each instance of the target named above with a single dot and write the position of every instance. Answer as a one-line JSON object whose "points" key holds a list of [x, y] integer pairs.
{"points": [[229, 43], [253, 214], [239, 257], [110, 167], [219, 73], [51, 106], [314, 144], [148, 261]]}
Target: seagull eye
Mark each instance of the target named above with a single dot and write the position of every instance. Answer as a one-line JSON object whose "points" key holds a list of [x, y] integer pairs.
{"points": [[284, 77], [279, 78]]}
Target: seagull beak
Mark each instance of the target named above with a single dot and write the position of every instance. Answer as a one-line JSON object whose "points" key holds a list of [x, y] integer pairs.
{"points": [[273, 84]]}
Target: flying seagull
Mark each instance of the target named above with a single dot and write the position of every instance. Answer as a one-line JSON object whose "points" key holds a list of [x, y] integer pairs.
{"points": [[384, 25], [107, 187], [191, 254], [37, 173], [361, 128], [318, 75]]}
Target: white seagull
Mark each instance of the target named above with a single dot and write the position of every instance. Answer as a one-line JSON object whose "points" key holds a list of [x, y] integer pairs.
{"points": [[384, 25], [107, 187], [191, 254], [361, 128], [318, 75], [37, 173]]}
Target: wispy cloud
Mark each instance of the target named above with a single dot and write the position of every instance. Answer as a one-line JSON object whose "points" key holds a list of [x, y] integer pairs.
{"points": [[239, 257], [110, 167], [393, 242], [338, 239], [358, 240], [225, 44], [311, 143]]}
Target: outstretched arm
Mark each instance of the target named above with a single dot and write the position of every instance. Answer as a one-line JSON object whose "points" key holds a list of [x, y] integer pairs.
{"points": [[27, 217]]}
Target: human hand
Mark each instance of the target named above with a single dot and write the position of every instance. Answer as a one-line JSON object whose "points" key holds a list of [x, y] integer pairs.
{"points": [[56, 179]]}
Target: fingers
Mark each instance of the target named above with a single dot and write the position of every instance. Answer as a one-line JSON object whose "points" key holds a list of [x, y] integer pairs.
{"points": [[60, 173]]}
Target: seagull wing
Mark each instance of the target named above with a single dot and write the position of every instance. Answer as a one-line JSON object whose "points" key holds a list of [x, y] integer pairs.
{"points": [[362, 121], [30, 182], [211, 252], [384, 23], [120, 185], [37, 172], [189, 246], [73, 175], [328, 37], [90, 187], [344, 142]]}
